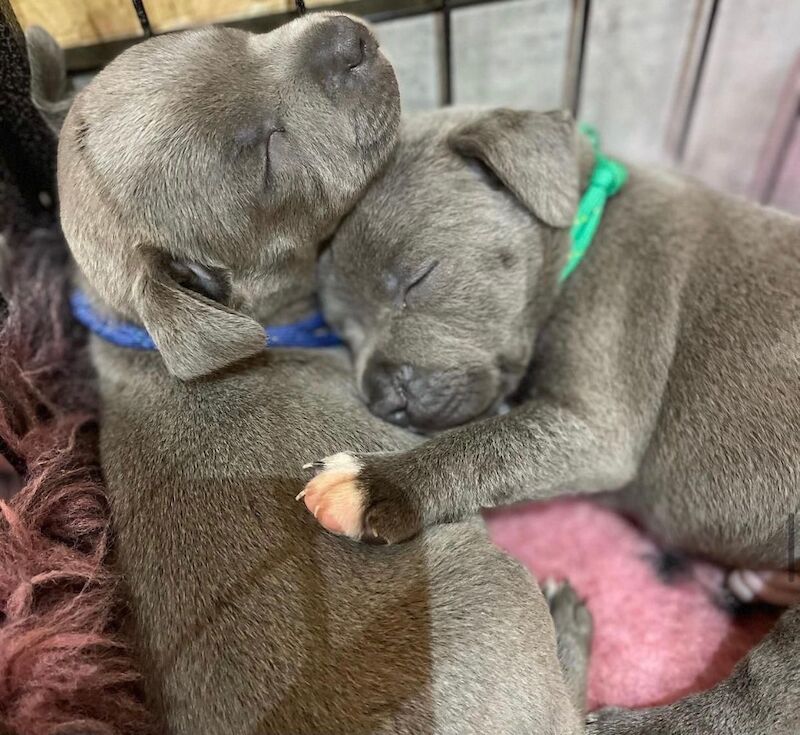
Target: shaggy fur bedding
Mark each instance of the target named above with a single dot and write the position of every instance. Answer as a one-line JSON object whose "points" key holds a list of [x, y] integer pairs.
{"points": [[64, 667], [64, 664]]}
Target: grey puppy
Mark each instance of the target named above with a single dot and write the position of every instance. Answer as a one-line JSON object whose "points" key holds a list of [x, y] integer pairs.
{"points": [[667, 367], [197, 174]]}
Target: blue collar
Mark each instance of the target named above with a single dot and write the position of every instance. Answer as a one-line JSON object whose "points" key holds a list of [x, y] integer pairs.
{"points": [[309, 332]]}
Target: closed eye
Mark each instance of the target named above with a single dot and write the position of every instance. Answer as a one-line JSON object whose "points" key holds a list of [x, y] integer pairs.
{"points": [[419, 279], [268, 144]]}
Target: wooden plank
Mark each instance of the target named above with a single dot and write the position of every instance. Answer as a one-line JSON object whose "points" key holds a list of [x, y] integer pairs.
{"points": [[77, 22], [168, 15], [412, 45], [82, 22], [752, 49], [633, 65], [511, 53], [787, 188]]}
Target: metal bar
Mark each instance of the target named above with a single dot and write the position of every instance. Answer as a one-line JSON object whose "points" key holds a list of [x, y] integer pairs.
{"points": [[576, 54], [681, 137], [679, 109], [141, 14], [447, 55]]}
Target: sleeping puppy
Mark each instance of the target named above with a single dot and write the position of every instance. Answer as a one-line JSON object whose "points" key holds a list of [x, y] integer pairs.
{"points": [[197, 174], [666, 367]]}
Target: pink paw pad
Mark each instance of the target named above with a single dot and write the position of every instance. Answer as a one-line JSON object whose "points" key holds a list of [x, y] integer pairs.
{"points": [[334, 496]]}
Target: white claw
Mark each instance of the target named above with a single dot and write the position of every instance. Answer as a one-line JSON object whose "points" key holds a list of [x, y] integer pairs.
{"points": [[550, 587], [308, 465], [300, 495]]}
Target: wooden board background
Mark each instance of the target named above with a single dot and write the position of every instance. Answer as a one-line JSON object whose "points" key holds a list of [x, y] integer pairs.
{"points": [[413, 45], [644, 61], [632, 71], [83, 22], [511, 53], [753, 46]]}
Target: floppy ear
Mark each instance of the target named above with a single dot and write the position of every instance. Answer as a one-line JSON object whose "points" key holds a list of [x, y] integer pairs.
{"points": [[194, 334], [534, 154]]}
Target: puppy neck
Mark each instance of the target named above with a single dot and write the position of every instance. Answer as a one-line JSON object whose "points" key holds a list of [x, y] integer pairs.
{"points": [[287, 305]]}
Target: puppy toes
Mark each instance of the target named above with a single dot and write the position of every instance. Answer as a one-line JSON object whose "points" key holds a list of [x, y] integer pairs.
{"points": [[561, 596], [776, 588], [570, 614], [353, 495], [390, 521], [335, 497]]}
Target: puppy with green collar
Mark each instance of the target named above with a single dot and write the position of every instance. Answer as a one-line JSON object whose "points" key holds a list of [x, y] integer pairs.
{"points": [[660, 361]]}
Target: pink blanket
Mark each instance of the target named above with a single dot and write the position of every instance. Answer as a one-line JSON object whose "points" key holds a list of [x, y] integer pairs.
{"points": [[654, 641]]}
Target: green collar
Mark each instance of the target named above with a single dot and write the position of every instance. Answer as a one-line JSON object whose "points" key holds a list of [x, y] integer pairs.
{"points": [[607, 179]]}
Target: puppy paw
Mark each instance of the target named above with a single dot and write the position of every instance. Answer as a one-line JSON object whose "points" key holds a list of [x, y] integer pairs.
{"points": [[779, 588], [357, 496], [334, 496], [570, 614]]}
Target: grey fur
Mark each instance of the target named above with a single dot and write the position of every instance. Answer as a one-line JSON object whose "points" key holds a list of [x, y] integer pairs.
{"points": [[51, 90], [667, 368], [248, 617]]}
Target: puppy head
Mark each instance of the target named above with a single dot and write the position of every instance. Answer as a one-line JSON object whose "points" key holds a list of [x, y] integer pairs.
{"points": [[441, 276], [198, 171]]}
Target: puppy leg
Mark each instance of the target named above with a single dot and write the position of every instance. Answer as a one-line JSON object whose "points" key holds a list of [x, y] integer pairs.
{"points": [[761, 697], [537, 451], [574, 628]]}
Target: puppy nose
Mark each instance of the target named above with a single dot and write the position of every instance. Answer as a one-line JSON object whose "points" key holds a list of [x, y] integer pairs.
{"points": [[386, 391], [342, 47], [349, 43]]}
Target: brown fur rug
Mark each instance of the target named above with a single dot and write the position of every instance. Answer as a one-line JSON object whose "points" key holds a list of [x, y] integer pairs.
{"points": [[64, 665]]}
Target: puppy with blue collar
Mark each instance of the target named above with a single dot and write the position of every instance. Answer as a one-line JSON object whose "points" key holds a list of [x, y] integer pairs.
{"points": [[197, 174]]}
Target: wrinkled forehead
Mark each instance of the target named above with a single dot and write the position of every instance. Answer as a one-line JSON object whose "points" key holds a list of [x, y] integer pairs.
{"points": [[209, 70], [181, 84], [421, 201], [219, 86]]}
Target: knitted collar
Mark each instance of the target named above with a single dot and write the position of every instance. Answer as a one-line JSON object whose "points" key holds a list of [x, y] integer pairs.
{"points": [[309, 332]]}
